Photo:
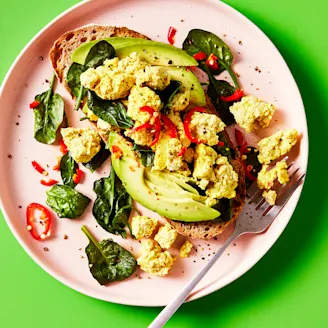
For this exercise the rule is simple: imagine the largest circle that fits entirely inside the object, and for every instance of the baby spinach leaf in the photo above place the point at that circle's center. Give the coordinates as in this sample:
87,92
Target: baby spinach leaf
68,168
203,41
216,89
146,154
167,95
252,160
108,261
96,57
224,206
112,112
48,115
113,204
73,78
99,53
66,201
98,159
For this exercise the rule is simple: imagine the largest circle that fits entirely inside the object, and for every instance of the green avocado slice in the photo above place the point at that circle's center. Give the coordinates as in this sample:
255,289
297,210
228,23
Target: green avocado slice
132,174
155,53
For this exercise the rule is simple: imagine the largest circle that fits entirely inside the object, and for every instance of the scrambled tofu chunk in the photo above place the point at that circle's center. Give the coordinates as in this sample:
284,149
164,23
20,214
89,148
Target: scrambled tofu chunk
83,144
205,158
115,78
155,77
186,249
270,196
104,128
143,137
251,112
276,145
206,127
225,181
176,119
153,260
166,236
142,226
184,170
266,179
139,97
180,101
166,154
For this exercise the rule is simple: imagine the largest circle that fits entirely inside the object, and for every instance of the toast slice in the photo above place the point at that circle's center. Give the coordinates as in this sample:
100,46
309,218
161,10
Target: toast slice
60,57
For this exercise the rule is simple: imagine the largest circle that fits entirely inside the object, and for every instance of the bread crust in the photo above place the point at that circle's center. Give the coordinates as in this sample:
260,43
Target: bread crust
60,57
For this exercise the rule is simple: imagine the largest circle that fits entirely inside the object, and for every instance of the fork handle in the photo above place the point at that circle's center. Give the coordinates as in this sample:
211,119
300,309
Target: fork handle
171,308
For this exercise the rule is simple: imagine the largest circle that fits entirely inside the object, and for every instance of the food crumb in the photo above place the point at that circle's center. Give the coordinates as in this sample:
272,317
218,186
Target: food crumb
131,16
257,89
138,276
239,53
148,277
194,261
20,206
240,42
257,69
224,35
80,249
228,254
65,236
18,116
81,256
46,80
157,35
26,85
203,258
10,156
234,244
46,249
41,57
215,238
237,74
182,20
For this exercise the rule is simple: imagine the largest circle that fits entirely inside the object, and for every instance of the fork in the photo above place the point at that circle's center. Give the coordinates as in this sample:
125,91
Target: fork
262,215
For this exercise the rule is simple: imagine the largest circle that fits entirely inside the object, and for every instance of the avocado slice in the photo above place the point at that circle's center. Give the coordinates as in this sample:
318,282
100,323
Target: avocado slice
190,82
132,174
155,53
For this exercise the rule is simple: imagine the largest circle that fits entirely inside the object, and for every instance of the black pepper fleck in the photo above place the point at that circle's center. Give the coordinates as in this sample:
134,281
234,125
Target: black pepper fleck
240,42
46,249
41,57
10,156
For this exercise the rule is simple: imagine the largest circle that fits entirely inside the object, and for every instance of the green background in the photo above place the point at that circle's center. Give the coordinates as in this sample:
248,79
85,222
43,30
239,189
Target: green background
287,288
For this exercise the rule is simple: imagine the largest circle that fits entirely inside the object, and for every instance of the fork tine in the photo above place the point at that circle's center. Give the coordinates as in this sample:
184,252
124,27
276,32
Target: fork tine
285,192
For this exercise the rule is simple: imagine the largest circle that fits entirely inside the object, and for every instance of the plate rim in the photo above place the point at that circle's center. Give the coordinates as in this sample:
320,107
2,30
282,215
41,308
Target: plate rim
218,284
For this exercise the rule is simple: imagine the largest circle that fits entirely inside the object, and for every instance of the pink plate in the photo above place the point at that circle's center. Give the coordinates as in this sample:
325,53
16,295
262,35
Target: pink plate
66,261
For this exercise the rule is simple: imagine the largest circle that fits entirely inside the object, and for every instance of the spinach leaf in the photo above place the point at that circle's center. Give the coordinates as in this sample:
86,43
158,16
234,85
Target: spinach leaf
203,41
96,57
67,202
224,206
252,159
113,204
167,95
112,112
108,261
68,168
98,159
146,154
73,78
99,53
48,115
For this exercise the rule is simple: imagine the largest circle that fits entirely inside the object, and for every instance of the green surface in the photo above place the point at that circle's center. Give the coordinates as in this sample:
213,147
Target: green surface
287,288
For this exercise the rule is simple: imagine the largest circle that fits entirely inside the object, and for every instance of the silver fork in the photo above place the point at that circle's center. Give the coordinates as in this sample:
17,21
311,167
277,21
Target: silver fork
262,215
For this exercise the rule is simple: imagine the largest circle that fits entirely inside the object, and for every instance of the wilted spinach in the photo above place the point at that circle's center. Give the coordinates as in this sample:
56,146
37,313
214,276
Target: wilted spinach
113,205
108,261
66,201
167,95
112,112
96,57
215,90
224,206
252,160
203,41
48,115
68,168
98,159
146,154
